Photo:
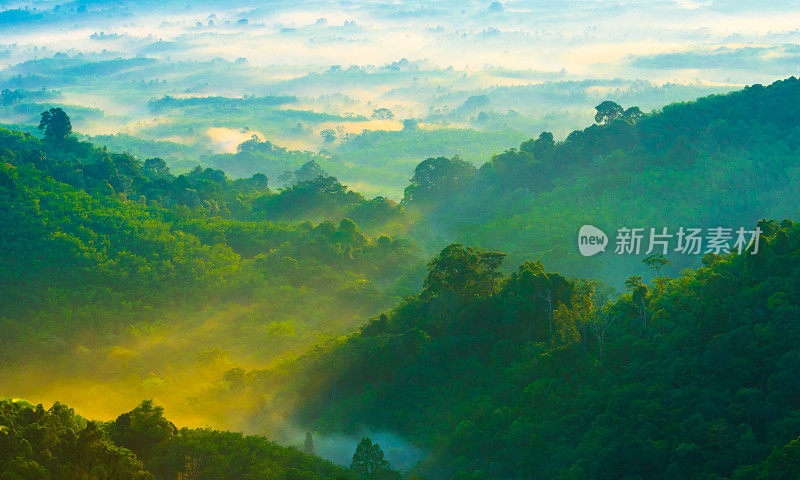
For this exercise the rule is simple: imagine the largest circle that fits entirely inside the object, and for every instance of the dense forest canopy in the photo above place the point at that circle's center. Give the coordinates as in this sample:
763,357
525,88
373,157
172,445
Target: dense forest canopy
533,375
287,302
140,445
659,169
121,261
387,240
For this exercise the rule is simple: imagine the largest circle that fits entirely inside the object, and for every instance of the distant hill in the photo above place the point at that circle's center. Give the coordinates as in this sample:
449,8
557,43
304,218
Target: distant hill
723,160
533,375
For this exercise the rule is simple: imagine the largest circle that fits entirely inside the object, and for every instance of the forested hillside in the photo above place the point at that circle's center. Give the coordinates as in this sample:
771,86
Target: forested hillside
396,239
145,284
723,160
239,307
142,444
533,375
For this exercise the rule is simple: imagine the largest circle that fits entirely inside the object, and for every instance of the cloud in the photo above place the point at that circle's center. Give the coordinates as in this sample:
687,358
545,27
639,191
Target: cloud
227,139
772,58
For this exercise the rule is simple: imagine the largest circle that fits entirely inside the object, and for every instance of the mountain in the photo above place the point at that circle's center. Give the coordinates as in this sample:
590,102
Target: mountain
239,307
720,161
119,275
533,375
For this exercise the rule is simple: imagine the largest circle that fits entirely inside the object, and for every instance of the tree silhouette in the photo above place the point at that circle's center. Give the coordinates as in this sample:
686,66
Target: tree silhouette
607,112
328,135
308,446
463,270
656,262
368,459
639,292
632,114
55,124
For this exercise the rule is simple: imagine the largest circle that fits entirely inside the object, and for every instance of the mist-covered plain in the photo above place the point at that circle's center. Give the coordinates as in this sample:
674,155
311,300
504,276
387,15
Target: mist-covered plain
495,72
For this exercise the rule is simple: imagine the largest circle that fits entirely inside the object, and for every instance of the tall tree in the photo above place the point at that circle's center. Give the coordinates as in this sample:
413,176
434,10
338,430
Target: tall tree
607,112
601,323
639,292
156,166
656,262
632,114
463,270
55,124
308,447
328,135
436,178
368,459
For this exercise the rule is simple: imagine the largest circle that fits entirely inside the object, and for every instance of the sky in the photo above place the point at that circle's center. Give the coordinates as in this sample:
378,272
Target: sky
662,41
541,65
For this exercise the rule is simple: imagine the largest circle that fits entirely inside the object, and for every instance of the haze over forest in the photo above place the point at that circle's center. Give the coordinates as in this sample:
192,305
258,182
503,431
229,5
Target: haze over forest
348,228
506,70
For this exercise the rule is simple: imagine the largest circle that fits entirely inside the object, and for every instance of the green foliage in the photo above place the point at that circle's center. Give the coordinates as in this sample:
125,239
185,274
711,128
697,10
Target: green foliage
468,317
309,171
783,463
311,194
57,444
368,462
694,377
256,156
9,97
382,161
328,135
437,178
740,149
382,114
55,124
319,197
607,112
463,271
143,429
657,262
169,103
706,388
87,268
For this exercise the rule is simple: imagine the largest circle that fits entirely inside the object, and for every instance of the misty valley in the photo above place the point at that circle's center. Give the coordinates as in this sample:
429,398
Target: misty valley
381,240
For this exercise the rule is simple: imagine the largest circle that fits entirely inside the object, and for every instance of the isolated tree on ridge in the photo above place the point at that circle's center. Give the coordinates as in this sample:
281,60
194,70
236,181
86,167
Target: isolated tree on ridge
55,124
607,112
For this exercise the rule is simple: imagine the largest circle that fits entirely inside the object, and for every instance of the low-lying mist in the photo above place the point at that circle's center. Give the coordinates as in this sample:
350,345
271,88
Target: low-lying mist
339,448
197,364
